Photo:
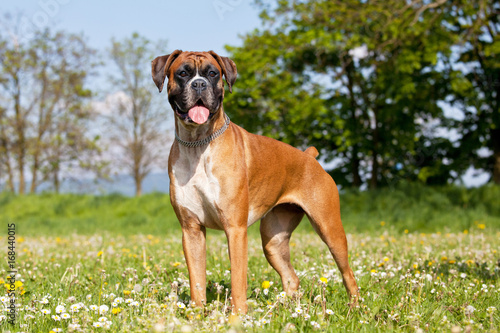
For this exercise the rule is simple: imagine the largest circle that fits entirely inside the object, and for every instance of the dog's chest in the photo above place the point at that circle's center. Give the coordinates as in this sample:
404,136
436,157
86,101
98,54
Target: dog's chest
196,187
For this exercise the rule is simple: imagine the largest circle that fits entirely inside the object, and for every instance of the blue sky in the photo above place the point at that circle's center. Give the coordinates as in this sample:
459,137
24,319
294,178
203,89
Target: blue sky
197,25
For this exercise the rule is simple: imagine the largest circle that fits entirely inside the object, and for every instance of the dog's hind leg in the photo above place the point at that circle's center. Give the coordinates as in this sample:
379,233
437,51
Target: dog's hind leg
275,230
324,216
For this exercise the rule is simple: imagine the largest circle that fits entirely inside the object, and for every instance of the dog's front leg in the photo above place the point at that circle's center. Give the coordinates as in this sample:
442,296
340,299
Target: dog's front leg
238,255
193,243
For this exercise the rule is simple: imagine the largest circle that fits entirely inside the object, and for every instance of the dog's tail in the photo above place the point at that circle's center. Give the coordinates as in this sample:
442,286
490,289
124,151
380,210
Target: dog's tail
312,151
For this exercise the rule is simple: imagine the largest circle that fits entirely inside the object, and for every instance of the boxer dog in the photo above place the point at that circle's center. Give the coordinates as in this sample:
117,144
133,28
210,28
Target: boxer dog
224,178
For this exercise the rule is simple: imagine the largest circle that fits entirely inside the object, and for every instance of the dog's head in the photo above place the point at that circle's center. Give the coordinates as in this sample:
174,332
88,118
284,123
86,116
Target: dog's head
195,87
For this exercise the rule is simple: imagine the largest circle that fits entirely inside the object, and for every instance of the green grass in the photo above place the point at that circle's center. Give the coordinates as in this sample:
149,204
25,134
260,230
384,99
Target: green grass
433,282
426,259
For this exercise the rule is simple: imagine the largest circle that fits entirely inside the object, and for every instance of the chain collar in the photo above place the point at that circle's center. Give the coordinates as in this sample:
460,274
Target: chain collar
208,139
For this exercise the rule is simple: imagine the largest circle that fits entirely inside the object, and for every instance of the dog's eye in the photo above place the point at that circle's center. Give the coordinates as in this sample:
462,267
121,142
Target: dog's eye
183,74
212,73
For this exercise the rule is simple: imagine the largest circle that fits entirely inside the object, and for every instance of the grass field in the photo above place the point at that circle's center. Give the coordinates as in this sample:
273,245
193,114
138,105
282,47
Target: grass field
426,260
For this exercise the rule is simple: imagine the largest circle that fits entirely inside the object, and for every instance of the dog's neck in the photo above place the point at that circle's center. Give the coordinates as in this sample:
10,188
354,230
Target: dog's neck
194,133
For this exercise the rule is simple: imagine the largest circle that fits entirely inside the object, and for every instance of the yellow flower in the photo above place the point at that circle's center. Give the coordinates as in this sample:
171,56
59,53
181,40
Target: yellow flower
323,279
451,261
175,264
382,223
406,231
99,253
481,226
266,285
126,292
444,258
373,271
386,259
116,311
415,266
466,231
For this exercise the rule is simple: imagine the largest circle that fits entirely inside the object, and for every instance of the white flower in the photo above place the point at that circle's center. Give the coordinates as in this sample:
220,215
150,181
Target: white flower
306,316
57,330
328,311
2,317
45,311
315,324
4,299
298,310
294,315
114,304
65,316
74,308
44,301
181,305
136,304
56,317
491,309
94,307
103,309
28,316
463,275
89,297
60,309
103,319
97,324
282,295
128,300
74,326
266,291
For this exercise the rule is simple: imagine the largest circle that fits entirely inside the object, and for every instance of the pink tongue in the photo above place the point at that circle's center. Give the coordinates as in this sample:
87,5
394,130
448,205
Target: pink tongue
199,114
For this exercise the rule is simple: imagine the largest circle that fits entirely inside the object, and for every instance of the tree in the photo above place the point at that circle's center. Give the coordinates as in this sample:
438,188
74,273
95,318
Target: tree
138,119
475,82
43,91
351,77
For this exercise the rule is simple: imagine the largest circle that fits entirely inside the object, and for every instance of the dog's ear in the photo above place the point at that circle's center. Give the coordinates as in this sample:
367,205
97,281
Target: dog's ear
160,67
228,69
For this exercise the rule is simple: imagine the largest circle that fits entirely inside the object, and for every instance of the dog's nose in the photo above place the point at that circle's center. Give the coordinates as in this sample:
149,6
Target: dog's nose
199,85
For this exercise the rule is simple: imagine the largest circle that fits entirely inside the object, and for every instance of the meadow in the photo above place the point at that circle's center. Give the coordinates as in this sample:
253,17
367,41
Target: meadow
426,259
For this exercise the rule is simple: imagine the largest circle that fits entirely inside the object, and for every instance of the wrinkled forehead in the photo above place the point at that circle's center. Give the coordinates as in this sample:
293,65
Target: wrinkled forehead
195,60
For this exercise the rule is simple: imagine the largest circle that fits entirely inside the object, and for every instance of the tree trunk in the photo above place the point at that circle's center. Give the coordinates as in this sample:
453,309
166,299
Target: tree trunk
21,144
375,166
138,186
495,138
356,179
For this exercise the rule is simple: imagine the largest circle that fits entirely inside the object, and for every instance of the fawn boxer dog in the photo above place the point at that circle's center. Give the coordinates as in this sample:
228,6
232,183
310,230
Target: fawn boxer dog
223,177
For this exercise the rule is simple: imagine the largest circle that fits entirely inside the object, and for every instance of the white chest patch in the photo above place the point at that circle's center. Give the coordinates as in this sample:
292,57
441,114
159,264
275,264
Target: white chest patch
196,188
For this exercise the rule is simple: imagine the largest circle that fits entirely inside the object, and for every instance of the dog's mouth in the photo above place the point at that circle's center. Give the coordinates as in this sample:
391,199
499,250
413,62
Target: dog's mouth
198,113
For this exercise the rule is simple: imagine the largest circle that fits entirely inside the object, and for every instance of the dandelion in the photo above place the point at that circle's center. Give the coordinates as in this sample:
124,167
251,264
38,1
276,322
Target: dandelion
323,280
469,310
116,311
481,226
329,312
99,253
266,285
